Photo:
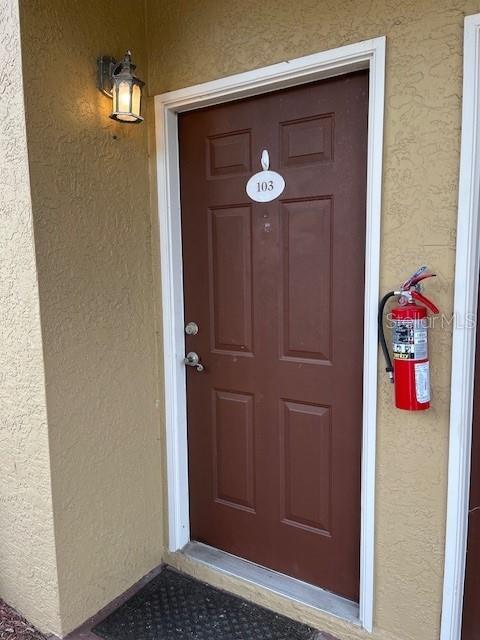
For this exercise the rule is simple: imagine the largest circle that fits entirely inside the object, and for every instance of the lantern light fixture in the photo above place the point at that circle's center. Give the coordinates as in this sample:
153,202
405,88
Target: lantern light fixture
118,81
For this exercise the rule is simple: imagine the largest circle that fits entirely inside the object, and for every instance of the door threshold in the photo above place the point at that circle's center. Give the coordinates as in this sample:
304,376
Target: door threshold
273,581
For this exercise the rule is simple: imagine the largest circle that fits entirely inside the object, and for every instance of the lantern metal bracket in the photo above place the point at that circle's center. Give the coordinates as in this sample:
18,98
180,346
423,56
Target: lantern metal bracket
105,67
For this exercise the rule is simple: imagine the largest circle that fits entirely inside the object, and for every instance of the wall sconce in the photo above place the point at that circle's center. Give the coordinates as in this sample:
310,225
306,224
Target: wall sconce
118,81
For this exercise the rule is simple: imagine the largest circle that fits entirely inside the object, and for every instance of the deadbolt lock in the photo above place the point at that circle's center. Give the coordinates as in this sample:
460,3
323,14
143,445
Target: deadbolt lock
191,329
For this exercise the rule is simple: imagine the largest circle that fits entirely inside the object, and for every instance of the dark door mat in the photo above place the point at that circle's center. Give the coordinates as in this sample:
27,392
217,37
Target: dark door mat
175,606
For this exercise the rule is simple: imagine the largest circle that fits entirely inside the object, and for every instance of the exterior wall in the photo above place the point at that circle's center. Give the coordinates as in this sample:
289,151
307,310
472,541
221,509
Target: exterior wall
90,194
28,574
93,236
191,42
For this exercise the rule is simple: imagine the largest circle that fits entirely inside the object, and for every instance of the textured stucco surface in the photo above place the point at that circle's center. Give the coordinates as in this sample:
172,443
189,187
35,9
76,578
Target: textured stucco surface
93,237
192,41
90,196
28,578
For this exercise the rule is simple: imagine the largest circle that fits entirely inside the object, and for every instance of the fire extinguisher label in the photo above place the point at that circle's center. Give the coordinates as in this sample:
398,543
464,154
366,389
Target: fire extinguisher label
409,339
422,382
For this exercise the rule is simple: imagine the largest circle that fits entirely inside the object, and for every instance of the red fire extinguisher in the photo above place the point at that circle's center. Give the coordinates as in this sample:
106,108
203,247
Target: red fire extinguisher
410,371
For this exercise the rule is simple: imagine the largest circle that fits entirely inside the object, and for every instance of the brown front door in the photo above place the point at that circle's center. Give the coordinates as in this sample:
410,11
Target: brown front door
471,608
277,290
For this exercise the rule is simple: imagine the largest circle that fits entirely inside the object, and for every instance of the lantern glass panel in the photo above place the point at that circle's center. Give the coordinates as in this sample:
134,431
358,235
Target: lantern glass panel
136,99
123,106
114,97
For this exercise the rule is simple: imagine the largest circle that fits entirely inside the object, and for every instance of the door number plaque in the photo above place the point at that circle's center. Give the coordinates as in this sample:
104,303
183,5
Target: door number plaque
265,185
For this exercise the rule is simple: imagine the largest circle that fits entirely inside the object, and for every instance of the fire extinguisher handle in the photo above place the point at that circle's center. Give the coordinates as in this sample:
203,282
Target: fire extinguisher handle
422,276
425,301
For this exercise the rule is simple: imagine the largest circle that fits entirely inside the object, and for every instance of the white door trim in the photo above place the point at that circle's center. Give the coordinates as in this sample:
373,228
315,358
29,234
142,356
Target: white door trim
463,353
367,54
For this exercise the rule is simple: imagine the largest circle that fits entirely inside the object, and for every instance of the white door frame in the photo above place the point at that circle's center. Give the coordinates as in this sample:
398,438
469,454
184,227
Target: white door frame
467,267
369,54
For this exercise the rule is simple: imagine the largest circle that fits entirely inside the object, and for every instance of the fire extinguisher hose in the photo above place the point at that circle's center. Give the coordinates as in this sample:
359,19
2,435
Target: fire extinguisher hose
381,333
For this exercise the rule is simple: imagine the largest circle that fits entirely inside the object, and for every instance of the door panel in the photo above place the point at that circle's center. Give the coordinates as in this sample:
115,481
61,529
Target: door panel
305,444
277,289
471,610
234,479
231,270
306,275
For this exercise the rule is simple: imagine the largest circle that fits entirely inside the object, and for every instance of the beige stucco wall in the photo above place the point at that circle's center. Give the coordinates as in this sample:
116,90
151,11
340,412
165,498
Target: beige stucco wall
90,195
99,302
28,577
192,41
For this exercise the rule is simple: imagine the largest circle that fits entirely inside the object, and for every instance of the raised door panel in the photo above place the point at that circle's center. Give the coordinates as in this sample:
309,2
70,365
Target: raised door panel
306,465
228,154
307,140
306,279
231,321
233,459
